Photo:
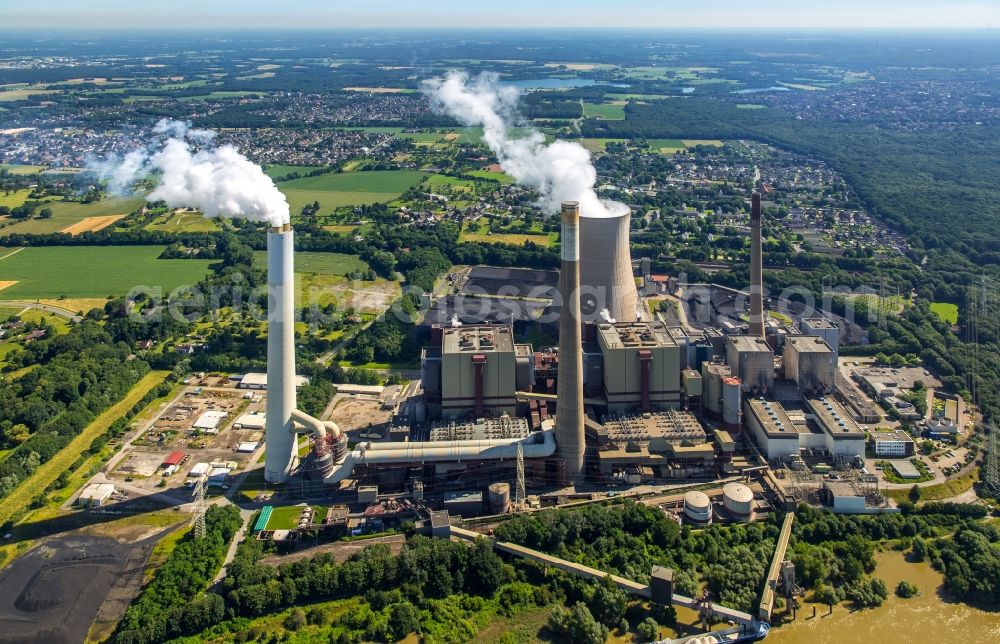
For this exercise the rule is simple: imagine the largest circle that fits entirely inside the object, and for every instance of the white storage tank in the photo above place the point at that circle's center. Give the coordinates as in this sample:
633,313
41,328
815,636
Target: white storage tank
499,497
697,508
738,501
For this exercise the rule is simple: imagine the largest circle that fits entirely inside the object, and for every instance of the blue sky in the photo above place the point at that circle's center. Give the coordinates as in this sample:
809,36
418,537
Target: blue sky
679,14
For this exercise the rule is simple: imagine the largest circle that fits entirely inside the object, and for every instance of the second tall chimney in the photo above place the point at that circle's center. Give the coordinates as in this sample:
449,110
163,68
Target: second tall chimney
569,402
756,270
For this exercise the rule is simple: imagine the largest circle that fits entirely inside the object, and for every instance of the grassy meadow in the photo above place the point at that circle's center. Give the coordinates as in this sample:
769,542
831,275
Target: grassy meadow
93,271
348,188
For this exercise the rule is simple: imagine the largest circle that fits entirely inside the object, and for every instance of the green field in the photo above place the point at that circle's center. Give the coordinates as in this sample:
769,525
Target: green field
496,176
22,94
945,311
598,145
606,111
67,213
22,169
348,188
669,146
183,222
93,271
274,171
15,198
321,263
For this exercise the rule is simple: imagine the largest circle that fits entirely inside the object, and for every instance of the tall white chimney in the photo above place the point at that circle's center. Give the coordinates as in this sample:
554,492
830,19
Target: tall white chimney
756,270
281,454
569,402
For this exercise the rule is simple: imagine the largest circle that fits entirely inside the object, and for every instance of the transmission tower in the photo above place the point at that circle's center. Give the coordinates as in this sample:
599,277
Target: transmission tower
883,307
199,508
991,468
519,492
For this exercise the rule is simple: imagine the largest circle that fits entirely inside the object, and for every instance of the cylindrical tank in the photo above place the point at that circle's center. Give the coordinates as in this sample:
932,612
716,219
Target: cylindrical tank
697,508
731,404
499,497
606,280
738,501
712,386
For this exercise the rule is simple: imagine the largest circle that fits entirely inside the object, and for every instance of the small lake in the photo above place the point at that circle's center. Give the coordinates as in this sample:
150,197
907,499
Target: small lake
757,90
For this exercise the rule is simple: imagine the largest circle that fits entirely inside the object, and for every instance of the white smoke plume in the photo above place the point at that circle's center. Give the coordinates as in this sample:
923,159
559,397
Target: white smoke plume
560,171
194,173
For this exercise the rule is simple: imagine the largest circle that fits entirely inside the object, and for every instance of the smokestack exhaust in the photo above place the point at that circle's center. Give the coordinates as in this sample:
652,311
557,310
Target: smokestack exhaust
279,435
756,270
569,402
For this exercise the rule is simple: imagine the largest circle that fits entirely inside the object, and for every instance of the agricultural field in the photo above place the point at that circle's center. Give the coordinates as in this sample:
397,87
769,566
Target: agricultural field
15,198
479,231
945,311
183,222
671,146
348,188
607,111
277,171
598,145
93,271
496,176
22,94
66,214
22,169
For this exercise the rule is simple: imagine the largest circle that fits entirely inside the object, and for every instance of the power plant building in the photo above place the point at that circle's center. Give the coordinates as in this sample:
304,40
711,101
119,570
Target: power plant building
478,371
773,430
824,328
641,364
824,426
810,363
843,436
751,359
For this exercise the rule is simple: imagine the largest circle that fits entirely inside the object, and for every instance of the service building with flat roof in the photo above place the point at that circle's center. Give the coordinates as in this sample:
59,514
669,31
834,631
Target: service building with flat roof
893,444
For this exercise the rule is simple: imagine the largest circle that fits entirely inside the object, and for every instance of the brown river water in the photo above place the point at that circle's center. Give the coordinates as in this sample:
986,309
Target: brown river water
927,617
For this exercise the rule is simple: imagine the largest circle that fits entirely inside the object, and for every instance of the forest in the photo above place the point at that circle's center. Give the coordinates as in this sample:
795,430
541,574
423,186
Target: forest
174,602
449,591
72,378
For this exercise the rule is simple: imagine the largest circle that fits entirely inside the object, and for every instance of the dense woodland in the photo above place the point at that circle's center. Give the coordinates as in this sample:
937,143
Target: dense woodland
175,601
73,378
448,591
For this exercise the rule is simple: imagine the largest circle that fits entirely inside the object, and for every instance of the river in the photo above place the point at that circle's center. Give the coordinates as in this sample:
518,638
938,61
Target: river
925,618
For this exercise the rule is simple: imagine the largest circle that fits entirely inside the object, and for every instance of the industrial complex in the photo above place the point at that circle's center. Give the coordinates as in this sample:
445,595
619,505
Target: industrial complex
623,398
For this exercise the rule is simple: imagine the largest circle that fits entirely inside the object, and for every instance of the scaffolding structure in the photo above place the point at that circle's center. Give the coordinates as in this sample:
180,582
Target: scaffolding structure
991,464
200,506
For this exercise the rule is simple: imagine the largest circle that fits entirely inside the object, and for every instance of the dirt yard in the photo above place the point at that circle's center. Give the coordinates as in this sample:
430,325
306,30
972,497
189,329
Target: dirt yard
91,224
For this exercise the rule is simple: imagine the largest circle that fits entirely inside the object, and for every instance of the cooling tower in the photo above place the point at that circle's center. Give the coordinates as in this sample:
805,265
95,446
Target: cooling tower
756,271
606,270
279,437
569,402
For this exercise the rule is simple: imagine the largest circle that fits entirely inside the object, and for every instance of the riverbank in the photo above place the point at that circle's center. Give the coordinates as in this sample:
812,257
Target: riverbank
928,617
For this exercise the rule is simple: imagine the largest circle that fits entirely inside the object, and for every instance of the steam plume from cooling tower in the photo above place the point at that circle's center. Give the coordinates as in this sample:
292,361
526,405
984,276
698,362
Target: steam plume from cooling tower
560,171
195,173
